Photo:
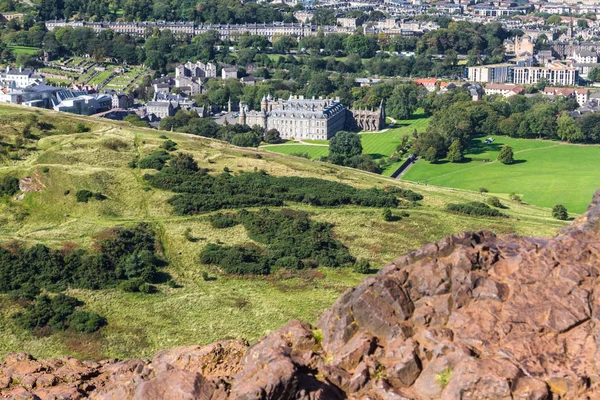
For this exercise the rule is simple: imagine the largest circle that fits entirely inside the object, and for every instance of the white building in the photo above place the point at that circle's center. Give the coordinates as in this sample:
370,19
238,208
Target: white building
503,90
20,78
297,118
555,73
493,73
85,104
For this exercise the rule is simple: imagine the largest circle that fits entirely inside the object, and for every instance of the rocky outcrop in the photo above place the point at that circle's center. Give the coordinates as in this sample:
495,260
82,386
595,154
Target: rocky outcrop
473,316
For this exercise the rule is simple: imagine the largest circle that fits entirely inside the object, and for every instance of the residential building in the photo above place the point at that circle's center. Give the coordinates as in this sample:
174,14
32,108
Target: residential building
429,83
229,73
196,70
492,73
581,56
162,109
297,118
580,94
347,22
20,78
503,89
554,73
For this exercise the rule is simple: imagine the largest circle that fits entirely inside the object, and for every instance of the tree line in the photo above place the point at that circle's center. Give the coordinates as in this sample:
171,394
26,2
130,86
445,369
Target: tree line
456,119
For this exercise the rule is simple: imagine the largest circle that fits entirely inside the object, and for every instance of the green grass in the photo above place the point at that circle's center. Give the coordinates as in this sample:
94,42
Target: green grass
200,311
314,152
98,79
23,50
546,173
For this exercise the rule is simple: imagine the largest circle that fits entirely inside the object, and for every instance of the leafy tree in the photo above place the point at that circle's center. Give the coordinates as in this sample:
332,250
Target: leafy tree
183,162
272,136
560,212
343,146
506,155
554,20
403,101
431,155
568,129
248,139
594,74
582,23
364,46
324,16
455,152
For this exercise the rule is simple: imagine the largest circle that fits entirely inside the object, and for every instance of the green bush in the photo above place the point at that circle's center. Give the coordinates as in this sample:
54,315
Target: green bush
289,263
405,193
387,215
86,322
362,266
120,253
9,186
169,145
83,196
221,221
474,208
131,285
560,212
155,160
197,191
59,313
288,236
494,202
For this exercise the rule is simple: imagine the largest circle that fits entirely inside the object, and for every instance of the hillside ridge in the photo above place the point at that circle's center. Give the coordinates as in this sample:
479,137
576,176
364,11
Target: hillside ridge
474,315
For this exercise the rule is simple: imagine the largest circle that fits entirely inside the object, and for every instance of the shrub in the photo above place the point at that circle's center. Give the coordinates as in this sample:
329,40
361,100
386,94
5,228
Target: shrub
387,215
405,193
169,145
114,144
147,288
293,263
514,197
81,128
221,221
287,235
155,160
474,208
67,192
99,196
9,186
187,234
83,196
86,322
482,190
131,285
494,202
200,192
45,170
560,212
303,155
172,284
58,313
362,266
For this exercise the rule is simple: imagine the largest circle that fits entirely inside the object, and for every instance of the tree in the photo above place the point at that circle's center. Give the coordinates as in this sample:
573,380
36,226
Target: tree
506,155
594,74
272,136
455,152
248,139
343,146
403,102
560,212
582,23
568,129
183,161
554,20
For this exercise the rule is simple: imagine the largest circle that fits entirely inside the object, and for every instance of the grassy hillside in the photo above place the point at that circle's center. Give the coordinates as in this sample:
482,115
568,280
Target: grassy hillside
61,161
545,172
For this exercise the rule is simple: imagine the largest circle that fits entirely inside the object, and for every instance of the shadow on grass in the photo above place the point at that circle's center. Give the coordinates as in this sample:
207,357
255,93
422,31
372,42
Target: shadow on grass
515,162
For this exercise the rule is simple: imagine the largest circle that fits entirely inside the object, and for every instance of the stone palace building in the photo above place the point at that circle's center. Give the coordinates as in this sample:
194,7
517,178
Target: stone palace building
318,119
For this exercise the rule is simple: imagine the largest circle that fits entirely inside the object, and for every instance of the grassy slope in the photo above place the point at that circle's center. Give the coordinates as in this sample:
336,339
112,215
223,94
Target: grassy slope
201,311
546,172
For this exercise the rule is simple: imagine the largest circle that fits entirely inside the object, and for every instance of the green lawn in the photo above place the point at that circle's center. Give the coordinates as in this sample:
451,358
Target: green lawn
545,173
24,50
98,79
